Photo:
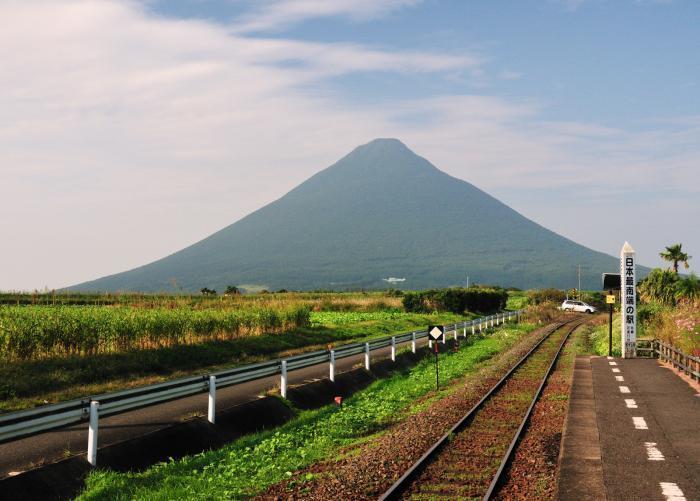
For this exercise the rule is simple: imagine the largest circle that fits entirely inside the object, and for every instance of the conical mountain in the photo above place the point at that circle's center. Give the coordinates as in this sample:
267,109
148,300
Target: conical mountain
381,211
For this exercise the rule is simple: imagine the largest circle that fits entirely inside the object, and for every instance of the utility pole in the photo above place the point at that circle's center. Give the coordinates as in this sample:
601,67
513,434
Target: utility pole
579,282
467,281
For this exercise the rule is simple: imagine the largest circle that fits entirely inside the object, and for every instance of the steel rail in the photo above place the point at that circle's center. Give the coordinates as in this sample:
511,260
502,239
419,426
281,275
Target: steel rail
400,486
497,479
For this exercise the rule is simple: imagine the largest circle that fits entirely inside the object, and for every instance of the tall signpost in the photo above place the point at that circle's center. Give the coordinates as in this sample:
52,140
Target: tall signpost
436,333
628,296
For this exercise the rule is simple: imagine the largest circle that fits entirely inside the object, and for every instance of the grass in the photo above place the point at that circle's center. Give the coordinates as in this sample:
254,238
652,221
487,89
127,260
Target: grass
517,300
252,463
29,383
598,336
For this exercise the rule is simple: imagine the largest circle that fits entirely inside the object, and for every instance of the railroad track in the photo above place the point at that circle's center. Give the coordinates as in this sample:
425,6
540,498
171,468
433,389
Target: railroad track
470,460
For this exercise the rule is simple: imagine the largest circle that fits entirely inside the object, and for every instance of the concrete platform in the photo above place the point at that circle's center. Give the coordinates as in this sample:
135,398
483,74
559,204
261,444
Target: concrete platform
632,432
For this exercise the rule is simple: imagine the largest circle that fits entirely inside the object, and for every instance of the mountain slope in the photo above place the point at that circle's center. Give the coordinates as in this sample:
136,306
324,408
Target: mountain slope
379,212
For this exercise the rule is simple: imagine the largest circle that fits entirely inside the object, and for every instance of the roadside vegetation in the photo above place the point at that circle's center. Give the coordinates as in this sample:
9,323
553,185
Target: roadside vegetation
27,383
250,464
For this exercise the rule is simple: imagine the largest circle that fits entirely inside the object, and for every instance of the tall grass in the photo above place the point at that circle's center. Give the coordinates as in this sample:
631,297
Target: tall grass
679,326
30,332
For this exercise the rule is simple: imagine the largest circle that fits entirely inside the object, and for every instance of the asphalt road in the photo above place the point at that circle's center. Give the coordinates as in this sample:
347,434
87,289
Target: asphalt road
648,421
48,447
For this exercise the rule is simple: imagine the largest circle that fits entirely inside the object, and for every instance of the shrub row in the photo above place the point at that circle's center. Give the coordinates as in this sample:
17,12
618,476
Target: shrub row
455,300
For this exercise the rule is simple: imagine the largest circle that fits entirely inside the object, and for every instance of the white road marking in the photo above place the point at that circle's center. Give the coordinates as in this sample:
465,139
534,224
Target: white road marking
615,369
624,389
630,403
653,453
640,423
619,378
609,358
612,363
671,491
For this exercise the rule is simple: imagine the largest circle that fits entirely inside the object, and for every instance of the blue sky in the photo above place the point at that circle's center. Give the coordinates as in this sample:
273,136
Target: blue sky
615,62
162,121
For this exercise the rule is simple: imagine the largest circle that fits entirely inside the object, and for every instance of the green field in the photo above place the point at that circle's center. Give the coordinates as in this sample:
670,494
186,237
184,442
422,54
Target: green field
62,346
26,383
32,332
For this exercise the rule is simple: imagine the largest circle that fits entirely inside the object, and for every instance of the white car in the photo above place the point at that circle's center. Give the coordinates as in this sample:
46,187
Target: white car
570,305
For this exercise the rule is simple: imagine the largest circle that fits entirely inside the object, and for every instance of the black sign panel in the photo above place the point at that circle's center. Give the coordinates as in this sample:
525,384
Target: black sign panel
611,281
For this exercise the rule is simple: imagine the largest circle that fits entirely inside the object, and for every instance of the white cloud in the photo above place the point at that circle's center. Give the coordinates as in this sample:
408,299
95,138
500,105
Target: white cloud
277,14
125,136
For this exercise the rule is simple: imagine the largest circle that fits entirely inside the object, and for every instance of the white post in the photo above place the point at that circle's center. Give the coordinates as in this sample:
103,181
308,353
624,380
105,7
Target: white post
367,356
393,349
331,375
430,343
413,342
481,329
455,333
212,399
444,337
628,295
473,329
492,321
283,380
92,433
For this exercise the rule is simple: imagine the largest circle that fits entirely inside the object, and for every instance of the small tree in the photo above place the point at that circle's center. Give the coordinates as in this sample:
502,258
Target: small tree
232,290
207,292
688,288
674,254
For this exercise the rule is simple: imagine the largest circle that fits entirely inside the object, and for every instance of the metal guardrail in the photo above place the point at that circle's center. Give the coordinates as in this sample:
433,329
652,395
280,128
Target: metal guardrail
20,424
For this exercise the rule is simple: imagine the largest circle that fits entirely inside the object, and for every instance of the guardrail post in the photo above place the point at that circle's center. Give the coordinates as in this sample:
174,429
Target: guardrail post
492,321
444,338
393,349
481,329
331,369
212,400
367,356
92,432
473,329
283,379
413,342
465,330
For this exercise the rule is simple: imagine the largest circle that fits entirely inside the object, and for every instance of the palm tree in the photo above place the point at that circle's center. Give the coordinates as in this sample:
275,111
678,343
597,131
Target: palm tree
675,255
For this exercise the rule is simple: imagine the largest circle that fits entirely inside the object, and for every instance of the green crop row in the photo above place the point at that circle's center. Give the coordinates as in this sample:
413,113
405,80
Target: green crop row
29,332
